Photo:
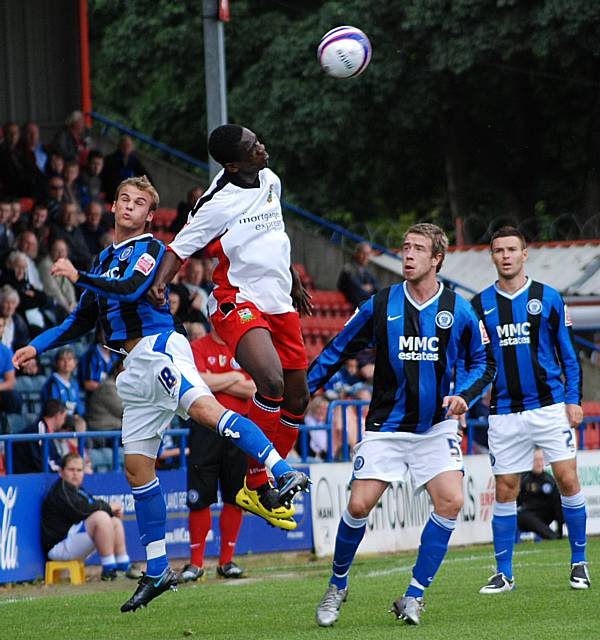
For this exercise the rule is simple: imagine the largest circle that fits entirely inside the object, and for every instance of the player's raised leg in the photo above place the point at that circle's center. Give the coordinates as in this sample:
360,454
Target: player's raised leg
573,507
446,494
363,497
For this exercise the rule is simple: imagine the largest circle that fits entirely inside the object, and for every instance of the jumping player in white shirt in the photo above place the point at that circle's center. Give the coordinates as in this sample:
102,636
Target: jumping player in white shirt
257,298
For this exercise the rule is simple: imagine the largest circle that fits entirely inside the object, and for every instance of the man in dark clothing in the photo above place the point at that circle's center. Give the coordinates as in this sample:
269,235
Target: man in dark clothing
75,524
120,165
356,282
539,501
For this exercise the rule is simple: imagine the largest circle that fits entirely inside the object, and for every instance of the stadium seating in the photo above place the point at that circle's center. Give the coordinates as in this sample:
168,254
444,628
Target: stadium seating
75,568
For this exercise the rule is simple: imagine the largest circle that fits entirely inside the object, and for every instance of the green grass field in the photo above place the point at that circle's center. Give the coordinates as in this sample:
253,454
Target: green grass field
278,599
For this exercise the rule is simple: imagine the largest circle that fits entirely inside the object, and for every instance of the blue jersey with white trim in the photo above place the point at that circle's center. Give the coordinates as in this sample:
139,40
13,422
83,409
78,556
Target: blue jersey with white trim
68,392
532,339
418,348
115,290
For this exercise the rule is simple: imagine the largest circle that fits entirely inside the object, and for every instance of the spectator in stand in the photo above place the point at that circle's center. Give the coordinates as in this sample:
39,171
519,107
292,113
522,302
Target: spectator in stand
65,446
538,504
27,243
105,407
316,413
93,228
107,238
73,191
123,163
6,233
90,177
16,332
183,209
56,197
10,401
366,365
37,223
61,289
34,305
67,229
197,309
97,363
63,386
55,164
71,141
343,381
18,220
214,462
356,282
195,330
75,524
27,456
11,163
34,159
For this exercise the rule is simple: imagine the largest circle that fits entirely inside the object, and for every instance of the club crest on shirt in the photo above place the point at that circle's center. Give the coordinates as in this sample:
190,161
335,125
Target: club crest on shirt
444,319
212,360
568,321
246,315
145,264
534,307
126,253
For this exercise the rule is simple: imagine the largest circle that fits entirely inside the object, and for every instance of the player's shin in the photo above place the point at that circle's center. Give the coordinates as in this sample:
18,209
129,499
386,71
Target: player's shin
349,535
504,528
575,516
265,412
432,550
151,514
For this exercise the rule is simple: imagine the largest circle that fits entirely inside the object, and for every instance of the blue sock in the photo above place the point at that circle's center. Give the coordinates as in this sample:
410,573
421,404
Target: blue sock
575,517
248,437
108,563
123,562
151,514
349,534
432,550
504,527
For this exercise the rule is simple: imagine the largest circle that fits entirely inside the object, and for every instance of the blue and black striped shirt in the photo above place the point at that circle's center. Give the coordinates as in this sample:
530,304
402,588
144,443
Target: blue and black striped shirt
532,340
418,347
114,294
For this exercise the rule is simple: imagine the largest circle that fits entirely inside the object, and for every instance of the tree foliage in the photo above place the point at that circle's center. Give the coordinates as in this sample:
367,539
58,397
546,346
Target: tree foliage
479,109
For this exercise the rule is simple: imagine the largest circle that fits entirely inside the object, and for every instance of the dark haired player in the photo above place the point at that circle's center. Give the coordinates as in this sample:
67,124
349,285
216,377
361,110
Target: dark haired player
257,296
536,400
421,330
159,377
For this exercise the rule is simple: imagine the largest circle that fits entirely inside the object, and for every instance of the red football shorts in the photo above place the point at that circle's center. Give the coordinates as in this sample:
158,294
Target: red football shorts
285,330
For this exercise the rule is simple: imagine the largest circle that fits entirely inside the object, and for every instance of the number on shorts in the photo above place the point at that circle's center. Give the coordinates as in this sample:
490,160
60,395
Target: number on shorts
569,439
455,451
167,378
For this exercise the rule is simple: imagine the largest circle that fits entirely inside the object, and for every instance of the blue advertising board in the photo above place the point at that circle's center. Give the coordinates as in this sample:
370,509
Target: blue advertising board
21,497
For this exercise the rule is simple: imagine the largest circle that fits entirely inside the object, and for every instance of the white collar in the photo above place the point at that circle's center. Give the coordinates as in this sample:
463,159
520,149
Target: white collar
143,235
420,307
518,292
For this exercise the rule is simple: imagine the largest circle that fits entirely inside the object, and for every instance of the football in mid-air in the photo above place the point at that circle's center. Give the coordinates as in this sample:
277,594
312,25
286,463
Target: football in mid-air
344,52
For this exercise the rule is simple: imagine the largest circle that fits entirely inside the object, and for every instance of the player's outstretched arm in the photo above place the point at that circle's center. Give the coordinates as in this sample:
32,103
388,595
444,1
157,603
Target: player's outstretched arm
168,267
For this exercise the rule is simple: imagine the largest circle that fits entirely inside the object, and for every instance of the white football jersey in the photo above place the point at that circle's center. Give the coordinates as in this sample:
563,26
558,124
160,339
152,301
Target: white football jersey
242,226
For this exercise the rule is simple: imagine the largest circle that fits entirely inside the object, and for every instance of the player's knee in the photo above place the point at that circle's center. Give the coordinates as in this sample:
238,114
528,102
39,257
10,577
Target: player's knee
359,508
100,519
270,384
449,506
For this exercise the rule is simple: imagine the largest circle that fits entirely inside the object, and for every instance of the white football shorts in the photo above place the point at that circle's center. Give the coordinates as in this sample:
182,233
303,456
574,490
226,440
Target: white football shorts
513,437
391,456
160,380
76,546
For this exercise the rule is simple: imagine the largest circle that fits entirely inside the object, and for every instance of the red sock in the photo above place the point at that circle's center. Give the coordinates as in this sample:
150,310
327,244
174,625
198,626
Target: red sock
265,413
288,432
231,521
200,524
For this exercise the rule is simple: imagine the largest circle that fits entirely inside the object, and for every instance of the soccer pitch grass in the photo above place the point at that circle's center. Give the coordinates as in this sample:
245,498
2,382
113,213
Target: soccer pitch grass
278,600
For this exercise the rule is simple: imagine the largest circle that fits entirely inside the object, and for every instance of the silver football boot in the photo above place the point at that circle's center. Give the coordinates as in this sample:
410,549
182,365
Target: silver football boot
408,608
328,610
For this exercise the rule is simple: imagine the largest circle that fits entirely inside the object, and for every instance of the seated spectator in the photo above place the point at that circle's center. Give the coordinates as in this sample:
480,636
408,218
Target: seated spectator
55,164
97,363
105,407
10,402
73,192
538,504
34,159
12,172
316,413
89,178
27,243
27,455
67,229
93,228
16,332
342,382
195,330
18,220
356,282
7,237
183,209
197,307
63,385
71,141
75,524
34,305
56,197
37,223
61,289
123,163
366,365
71,445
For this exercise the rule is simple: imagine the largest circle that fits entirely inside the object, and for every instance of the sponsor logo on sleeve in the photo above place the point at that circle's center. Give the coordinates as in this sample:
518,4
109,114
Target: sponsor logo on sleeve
568,321
485,339
145,264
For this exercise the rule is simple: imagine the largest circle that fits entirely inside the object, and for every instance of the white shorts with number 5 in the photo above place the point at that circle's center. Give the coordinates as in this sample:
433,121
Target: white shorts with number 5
160,380
392,456
513,437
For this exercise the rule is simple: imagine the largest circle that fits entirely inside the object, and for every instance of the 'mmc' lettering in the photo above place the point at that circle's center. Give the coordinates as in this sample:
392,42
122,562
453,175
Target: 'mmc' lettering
511,329
415,343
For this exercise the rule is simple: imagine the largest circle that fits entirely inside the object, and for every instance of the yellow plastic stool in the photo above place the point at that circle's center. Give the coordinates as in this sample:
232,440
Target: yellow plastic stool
74,567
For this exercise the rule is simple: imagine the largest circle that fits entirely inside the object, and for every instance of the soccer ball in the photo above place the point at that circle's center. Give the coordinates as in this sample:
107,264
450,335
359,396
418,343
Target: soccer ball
344,52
